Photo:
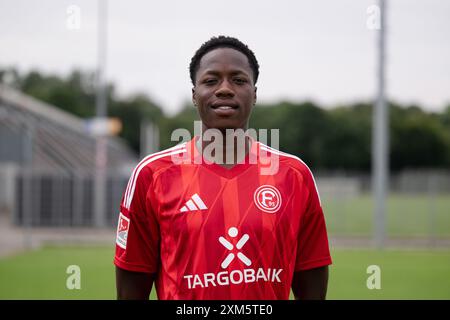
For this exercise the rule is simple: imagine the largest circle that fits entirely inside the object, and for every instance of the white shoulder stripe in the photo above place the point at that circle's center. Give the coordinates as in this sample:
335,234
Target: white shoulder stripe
132,182
133,174
133,186
267,148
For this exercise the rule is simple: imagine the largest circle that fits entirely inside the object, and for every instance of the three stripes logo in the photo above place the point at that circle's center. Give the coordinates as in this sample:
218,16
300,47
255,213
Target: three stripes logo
193,204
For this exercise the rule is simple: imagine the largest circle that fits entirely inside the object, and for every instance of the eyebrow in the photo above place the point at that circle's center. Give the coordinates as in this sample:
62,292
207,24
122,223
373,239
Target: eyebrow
233,72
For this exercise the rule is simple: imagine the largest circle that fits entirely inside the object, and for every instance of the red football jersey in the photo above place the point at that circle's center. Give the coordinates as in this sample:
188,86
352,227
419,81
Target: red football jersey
216,233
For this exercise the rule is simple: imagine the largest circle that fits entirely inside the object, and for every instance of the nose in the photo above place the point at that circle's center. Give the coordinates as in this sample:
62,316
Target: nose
224,90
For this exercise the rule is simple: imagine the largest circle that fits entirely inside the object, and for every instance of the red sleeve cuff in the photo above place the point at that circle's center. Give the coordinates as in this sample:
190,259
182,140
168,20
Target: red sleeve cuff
312,264
133,267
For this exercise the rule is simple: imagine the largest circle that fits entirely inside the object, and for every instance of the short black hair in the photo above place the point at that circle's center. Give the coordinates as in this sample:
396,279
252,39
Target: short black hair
223,42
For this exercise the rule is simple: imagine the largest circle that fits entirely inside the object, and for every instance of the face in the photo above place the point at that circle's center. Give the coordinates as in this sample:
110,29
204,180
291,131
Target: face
224,90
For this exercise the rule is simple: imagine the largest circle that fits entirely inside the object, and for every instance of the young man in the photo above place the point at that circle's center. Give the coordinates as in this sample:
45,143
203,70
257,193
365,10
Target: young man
205,229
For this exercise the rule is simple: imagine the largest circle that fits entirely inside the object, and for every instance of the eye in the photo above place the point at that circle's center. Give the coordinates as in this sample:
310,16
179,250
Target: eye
210,81
240,80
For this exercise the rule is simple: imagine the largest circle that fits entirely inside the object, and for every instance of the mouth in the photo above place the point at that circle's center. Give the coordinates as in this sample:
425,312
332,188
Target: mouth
224,106
224,109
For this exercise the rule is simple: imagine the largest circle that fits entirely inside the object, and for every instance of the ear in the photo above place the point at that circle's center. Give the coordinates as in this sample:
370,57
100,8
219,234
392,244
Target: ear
194,97
254,95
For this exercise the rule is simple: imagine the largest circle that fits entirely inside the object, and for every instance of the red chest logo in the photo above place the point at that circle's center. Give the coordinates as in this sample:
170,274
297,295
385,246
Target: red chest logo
267,198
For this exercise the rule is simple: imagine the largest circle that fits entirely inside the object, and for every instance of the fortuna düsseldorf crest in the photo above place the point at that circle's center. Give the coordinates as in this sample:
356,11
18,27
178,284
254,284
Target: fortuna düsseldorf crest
267,198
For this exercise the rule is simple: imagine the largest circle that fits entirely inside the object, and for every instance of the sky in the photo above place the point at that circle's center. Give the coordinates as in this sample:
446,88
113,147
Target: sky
317,50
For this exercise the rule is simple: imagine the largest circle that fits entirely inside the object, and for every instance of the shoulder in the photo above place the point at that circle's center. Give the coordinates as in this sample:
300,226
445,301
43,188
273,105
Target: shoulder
161,160
286,159
143,173
296,164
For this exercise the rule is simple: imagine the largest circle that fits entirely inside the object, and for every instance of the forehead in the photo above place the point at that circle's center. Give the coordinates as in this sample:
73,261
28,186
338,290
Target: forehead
224,59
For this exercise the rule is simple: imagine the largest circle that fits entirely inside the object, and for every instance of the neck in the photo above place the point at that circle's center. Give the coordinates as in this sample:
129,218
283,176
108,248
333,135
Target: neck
224,147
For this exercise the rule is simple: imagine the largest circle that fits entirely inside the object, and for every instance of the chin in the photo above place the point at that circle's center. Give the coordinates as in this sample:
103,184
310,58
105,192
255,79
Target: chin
225,124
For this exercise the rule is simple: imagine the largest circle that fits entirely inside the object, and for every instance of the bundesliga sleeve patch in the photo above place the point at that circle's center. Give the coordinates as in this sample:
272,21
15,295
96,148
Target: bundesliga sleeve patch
122,231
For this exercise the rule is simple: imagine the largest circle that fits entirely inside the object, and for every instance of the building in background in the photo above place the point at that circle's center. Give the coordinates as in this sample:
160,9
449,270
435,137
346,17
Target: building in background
47,165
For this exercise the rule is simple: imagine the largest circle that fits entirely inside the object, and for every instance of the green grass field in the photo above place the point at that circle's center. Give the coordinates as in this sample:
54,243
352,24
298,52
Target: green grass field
405,274
407,216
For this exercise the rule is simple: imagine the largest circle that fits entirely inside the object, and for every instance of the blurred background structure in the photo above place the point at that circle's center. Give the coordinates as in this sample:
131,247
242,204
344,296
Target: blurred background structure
48,160
318,85
47,169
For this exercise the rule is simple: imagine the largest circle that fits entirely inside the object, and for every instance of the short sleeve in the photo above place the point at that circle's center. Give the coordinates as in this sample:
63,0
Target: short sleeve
138,237
312,247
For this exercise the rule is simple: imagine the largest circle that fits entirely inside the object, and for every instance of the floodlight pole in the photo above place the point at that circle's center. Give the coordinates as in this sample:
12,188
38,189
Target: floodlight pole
101,112
380,144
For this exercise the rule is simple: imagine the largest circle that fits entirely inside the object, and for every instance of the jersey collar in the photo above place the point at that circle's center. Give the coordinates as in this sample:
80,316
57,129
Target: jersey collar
250,159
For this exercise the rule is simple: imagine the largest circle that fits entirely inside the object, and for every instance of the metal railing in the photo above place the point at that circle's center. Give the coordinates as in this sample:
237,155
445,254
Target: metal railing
55,199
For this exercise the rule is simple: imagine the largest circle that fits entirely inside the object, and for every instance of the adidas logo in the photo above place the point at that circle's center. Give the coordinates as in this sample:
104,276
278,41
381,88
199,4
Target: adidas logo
194,203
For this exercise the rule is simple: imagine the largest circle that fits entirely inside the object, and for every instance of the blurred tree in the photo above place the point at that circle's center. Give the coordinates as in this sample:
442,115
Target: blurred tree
183,119
348,138
76,94
417,140
131,111
302,128
335,139
444,118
